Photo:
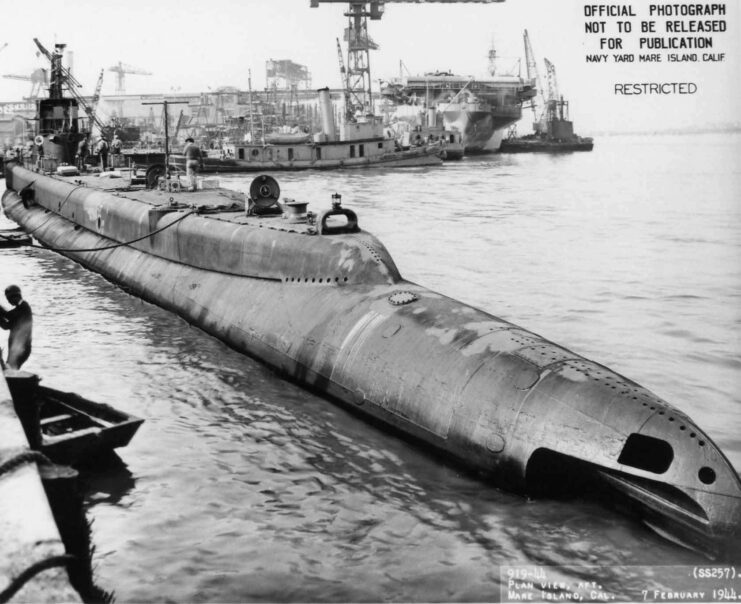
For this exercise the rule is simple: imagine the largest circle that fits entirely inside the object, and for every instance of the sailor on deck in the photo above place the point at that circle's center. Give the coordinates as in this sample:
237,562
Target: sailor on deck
102,150
116,145
193,160
19,321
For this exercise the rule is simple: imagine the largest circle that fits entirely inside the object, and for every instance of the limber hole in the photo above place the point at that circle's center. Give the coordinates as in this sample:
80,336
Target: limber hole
706,475
647,453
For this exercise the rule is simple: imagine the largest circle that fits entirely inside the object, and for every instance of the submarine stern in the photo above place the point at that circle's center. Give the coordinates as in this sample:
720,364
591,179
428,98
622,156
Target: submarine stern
591,428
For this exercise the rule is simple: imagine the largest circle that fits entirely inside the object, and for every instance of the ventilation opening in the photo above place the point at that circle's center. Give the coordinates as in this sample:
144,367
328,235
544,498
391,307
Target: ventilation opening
647,453
552,474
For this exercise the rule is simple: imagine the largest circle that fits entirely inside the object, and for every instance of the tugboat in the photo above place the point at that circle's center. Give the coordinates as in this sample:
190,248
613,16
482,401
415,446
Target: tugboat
554,135
553,132
322,301
360,144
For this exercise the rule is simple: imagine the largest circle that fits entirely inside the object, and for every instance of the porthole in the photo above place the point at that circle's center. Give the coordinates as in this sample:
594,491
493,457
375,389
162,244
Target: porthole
706,475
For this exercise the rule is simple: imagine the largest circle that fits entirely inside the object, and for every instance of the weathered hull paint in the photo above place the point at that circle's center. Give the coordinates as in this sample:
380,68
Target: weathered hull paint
333,313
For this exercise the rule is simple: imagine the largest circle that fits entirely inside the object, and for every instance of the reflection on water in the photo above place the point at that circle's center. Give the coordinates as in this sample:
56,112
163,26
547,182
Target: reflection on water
241,486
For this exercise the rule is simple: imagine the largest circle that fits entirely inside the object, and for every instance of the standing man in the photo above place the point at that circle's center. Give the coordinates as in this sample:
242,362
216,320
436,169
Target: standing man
19,321
102,150
192,162
82,153
116,145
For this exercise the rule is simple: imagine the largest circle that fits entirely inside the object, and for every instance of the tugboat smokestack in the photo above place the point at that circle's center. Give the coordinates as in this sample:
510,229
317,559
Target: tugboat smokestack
325,107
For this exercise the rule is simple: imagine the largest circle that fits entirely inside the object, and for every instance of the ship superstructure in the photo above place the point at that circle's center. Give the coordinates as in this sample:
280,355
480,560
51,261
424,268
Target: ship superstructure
479,108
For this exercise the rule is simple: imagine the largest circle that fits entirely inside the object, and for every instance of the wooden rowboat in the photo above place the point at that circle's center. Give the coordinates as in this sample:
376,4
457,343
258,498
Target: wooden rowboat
75,430
66,427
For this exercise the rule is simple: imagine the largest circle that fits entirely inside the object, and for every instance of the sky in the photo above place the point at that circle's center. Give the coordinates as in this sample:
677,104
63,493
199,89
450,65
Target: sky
191,46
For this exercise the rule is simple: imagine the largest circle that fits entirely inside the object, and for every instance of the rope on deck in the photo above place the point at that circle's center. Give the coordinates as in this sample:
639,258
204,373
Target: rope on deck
62,560
23,458
115,245
18,582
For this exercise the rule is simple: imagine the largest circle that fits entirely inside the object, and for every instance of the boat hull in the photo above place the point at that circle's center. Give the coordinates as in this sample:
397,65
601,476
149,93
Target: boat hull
357,154
492,395
545,146
215,165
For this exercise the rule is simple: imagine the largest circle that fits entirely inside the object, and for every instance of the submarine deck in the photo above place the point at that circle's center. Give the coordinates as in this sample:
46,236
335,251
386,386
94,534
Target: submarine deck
217,203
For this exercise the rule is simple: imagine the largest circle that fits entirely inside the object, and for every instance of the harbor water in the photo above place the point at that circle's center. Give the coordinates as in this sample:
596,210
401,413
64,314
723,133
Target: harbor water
241,486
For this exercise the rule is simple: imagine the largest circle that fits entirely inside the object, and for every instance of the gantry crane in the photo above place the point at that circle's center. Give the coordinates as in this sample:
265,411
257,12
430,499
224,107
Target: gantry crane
120,70
359,44
39,81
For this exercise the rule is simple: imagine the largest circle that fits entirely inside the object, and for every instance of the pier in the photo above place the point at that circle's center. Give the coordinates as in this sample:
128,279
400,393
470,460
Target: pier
33,559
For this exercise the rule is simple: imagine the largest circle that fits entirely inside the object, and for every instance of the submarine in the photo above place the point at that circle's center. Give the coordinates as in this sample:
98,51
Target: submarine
321,300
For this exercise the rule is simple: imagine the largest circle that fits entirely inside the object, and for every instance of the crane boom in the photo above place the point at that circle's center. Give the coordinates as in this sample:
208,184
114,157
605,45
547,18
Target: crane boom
552,82
345,88
532,72
92,110
66,77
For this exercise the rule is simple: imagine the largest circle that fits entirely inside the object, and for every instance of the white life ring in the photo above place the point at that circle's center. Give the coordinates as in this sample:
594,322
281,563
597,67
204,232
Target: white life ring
39,140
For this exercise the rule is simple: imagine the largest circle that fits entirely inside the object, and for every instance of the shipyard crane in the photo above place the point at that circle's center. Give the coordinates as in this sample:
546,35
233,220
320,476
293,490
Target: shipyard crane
39,80
534,75
62,75
555,104
349,113
178,125
120,70
359,45
93,108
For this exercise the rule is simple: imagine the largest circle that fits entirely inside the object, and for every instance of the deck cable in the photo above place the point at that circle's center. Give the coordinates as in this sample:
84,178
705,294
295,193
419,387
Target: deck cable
115,245
18,582
22,458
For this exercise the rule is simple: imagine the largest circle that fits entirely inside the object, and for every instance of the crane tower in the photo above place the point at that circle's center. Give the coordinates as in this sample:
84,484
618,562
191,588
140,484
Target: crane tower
357,82
121,70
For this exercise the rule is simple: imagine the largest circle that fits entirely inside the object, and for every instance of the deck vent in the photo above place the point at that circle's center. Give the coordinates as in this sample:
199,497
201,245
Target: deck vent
401,297
647,453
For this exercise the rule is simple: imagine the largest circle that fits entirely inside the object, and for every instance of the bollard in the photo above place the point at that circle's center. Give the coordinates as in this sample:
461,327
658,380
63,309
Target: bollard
24,388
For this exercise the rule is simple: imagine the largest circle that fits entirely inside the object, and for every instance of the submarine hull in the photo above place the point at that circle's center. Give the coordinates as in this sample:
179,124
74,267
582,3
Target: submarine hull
333,313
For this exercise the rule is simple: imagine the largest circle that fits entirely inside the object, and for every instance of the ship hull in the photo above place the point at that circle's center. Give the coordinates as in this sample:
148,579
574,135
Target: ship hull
535,145
357,154
481,130
332,313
